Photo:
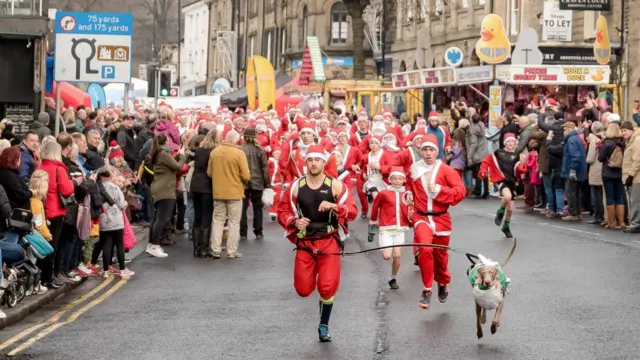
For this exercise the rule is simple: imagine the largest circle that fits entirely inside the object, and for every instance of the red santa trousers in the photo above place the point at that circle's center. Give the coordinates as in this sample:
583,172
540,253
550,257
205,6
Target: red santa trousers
321,270
433,263
364,204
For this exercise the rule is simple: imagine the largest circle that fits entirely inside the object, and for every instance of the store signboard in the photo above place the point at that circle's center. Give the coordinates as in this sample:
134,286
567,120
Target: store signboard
554,75
556,23
406,80
474,75
438,77
588,5
495,106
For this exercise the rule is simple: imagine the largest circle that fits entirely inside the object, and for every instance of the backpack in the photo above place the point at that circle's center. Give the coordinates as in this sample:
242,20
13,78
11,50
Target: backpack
615,158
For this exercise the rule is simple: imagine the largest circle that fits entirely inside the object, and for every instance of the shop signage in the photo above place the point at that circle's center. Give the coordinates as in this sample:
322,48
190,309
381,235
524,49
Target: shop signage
593,5
406,80
453,56
495,105
556,23
555,75
438,77
474,75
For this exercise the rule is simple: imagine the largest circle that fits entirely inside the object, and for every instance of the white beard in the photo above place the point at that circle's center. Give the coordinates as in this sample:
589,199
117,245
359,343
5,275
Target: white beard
276,124
390,145
261,128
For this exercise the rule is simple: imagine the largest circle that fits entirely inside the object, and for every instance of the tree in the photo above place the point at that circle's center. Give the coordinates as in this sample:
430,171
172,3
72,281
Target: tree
80,5
355,9
161,23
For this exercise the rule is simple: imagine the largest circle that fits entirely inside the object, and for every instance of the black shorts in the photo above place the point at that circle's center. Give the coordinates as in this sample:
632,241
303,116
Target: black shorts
507,185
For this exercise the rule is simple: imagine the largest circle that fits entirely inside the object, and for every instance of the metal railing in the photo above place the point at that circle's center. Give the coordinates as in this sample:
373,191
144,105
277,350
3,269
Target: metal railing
21,7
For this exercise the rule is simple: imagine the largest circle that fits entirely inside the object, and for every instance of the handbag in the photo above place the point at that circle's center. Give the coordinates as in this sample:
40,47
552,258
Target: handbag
70,205
64,200
39,245
83,223
20,221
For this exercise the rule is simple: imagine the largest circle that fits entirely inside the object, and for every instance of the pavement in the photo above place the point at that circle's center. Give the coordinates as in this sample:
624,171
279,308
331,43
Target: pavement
574,295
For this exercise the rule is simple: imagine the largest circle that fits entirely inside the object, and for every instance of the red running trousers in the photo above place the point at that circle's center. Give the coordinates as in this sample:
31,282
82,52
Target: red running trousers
322,270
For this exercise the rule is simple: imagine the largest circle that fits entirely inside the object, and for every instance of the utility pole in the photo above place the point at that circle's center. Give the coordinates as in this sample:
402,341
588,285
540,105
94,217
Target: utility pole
180,40
155,21
383,31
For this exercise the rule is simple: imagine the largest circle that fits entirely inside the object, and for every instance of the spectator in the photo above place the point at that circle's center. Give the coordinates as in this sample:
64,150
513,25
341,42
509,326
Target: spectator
163,191
477,150
60,187
630,169
126,141
228,166
29,148
18,192
92,159
574,169
610,154
555,147
81,118
202,194
595,172
40,126
69,118
259,180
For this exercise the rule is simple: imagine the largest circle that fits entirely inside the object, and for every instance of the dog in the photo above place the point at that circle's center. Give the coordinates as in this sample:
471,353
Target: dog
489,285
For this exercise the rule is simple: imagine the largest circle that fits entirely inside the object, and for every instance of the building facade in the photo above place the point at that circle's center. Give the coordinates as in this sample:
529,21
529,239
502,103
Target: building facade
194,49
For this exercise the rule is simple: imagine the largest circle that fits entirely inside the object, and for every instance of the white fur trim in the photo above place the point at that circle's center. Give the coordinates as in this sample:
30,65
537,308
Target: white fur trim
322,156
371,222
313,131
397,173
393,227
429,144
418,169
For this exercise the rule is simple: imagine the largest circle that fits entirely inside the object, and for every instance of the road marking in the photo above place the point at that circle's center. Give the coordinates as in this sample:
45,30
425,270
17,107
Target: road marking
570,229
72,318
57,315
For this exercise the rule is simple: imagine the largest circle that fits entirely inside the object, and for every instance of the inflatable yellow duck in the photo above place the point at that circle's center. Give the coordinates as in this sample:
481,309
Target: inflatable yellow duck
602,45
493,46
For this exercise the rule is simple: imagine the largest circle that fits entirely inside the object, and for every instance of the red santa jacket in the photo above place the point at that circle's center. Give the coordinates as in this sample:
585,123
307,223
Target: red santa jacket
390,210
350,157
288,210
355,139
274,172
266,140
449,191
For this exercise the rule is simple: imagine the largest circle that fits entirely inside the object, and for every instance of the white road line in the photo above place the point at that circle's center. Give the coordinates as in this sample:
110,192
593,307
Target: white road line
570,229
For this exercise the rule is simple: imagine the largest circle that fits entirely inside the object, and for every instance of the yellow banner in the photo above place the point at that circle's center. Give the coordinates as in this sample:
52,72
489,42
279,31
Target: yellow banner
251,84
266,79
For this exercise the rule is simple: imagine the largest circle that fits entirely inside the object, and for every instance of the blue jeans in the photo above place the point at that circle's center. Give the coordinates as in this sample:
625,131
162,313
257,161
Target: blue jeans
11,253
548,190
559,192
468,179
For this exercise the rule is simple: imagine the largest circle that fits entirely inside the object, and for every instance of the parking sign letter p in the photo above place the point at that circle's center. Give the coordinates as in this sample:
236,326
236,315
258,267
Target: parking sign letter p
108,72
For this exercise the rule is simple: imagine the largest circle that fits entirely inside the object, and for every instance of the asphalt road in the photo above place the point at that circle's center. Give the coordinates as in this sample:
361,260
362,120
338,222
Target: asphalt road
574,295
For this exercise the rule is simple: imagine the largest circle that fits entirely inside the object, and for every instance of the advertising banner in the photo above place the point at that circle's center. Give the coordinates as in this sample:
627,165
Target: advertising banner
556,23
554,75
266,81
250,84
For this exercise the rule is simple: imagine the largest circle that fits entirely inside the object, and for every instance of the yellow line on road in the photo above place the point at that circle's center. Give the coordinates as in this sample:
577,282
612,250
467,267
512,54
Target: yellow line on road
72,318
57,315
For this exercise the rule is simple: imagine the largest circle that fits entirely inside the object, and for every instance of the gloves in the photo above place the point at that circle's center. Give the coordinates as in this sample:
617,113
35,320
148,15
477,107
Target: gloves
572,175
629,181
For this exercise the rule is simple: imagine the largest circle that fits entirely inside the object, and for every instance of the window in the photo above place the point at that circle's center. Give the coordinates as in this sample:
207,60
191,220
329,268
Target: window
305,24
409,6
271,4
423,11
514,17
251,45
339,25
253,10
464,4
283,36
481,2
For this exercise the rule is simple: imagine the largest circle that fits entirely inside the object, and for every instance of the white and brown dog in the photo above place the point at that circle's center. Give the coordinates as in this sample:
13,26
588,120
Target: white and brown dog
489,289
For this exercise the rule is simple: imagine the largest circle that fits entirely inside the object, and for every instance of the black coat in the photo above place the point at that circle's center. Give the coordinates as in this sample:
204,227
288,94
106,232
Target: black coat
201,182
19,194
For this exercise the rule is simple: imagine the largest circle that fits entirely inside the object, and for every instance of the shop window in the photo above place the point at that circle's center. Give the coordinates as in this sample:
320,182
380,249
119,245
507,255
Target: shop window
339,25
464,4
439,7
514,17
590,18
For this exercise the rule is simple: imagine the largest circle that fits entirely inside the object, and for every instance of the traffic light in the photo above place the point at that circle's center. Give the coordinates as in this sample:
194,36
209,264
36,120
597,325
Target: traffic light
165,82
151,81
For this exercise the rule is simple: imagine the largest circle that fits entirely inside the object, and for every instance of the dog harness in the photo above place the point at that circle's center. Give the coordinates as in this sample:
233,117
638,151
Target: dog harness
473,276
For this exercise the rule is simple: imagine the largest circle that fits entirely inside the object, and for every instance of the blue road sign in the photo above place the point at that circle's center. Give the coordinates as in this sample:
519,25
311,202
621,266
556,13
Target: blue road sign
93,47
97,95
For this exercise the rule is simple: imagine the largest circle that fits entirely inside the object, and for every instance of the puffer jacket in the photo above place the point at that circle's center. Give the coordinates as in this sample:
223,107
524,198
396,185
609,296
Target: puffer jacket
631,161
59,184
477,147
595,165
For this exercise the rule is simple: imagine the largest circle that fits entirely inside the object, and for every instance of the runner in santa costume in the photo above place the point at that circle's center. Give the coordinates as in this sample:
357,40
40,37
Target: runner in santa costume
413,153
292,163
500,166
314,212
390,214
351,159
442,135
276,180
378,128
264,136
434,187
371,176
360,132
390,154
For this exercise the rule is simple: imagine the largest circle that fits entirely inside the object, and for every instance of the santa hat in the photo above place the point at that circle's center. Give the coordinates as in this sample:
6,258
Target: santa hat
433,115
276,149
551,102
430,141
508,136
342,121
114,150
343,133
308,126
397,170
316,152
376,138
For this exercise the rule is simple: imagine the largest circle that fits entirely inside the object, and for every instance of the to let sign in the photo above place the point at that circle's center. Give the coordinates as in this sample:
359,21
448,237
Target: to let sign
556,23
592,5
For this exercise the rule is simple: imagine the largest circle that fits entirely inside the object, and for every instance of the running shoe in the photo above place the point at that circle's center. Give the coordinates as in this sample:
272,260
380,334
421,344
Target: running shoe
323,333
393,284
425,300
507,232
499,217
443,293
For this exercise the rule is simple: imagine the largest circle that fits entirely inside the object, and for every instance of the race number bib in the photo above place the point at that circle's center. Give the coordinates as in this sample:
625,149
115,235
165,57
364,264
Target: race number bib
373,172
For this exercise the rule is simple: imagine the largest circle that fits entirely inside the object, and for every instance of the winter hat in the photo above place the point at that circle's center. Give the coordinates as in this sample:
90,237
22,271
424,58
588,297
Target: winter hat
627,125
343,133
433,115
316,152
114,150
397,170
551,102
308,126
376,138
430,141
276,149
508,136
43,118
